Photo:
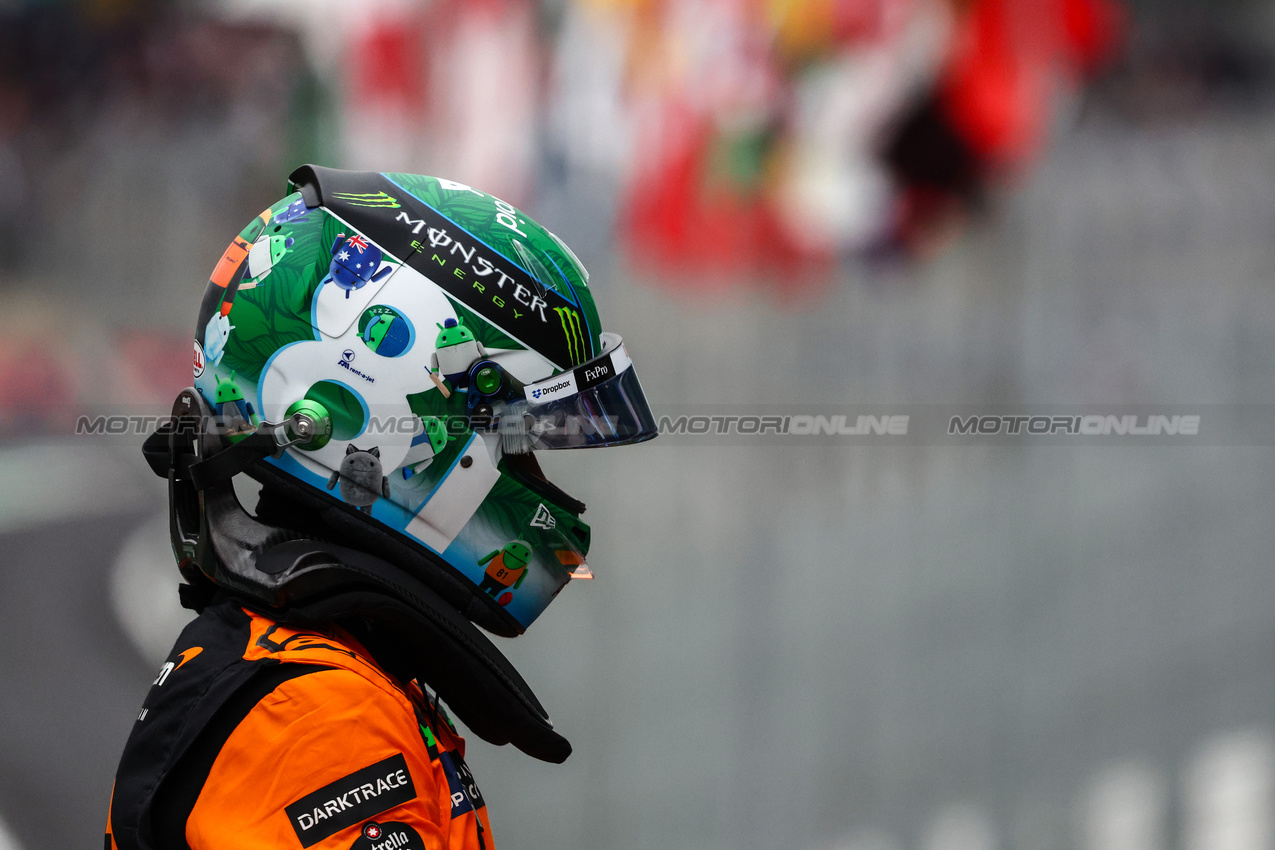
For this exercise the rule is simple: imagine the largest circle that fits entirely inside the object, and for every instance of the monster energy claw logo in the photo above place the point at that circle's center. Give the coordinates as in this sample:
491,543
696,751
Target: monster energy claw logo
575,337
368,199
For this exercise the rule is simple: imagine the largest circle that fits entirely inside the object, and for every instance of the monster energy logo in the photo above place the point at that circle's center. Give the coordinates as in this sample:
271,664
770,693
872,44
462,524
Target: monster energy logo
368,199
571,328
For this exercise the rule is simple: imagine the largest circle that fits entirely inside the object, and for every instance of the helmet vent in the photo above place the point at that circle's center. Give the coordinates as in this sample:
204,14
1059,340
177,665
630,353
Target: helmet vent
535,267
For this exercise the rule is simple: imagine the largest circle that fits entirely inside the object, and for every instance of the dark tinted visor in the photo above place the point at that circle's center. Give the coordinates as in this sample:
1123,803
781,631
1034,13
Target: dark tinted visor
599,403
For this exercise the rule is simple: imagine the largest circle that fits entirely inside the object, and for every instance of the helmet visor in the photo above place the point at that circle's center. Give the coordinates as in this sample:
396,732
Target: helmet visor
599,403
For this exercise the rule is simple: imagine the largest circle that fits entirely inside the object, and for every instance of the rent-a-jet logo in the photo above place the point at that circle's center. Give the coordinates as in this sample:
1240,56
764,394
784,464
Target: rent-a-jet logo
351,799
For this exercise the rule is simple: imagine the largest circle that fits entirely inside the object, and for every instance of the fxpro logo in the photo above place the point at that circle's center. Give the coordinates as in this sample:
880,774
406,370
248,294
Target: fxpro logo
596,372
552,388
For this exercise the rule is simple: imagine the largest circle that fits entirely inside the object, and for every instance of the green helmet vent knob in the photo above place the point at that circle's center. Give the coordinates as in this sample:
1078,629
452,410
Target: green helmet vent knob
309,424
488,380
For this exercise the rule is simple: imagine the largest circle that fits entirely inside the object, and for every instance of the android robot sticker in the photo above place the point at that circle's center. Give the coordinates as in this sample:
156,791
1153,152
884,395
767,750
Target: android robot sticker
233,410
386,332
360,477
262,257
354,263
455,350
216,335
425,445
248,259
294,212
507,567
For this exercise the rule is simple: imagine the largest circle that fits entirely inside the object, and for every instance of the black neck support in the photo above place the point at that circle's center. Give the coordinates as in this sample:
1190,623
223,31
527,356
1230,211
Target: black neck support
298,577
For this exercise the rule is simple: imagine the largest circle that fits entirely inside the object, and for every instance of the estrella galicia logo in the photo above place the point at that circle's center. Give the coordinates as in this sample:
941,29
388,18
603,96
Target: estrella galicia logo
348,355
351,799
392,835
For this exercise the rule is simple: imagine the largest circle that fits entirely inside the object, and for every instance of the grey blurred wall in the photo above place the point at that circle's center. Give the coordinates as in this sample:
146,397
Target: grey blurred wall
856,647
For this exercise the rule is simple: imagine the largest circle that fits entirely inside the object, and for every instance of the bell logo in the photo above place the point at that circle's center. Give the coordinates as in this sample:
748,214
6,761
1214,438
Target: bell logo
543,519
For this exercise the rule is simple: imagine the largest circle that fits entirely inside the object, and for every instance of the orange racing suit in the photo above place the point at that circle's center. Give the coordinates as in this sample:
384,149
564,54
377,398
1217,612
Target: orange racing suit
259,736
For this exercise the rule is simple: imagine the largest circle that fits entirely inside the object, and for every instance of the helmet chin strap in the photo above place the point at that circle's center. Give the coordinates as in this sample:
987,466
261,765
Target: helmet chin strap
299,579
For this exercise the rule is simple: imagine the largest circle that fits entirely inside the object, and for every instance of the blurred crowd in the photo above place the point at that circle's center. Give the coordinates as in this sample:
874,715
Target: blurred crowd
721,133
913,202
718,135
705,143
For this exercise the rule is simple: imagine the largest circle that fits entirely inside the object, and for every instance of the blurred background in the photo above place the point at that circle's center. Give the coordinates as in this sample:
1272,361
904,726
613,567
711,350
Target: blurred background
782,202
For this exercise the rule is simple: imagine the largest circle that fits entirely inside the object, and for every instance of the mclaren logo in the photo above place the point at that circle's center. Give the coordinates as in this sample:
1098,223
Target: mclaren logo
169,666
543,519
368,199
571,328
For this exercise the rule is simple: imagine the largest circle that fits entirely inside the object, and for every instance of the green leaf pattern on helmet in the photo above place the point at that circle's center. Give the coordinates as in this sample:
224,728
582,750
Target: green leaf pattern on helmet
360,338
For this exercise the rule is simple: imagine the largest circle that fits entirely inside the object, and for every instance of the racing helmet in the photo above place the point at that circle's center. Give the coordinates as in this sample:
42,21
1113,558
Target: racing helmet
389,350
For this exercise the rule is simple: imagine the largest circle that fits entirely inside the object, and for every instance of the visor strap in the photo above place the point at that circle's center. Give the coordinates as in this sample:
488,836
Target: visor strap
233,460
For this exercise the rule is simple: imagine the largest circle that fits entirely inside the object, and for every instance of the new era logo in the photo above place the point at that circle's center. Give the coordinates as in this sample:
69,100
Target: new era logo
543,519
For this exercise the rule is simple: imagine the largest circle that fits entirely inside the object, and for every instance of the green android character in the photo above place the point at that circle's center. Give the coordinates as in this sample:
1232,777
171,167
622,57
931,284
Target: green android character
262,257
235,412
508,567
386,332
455,351
376,330
425,446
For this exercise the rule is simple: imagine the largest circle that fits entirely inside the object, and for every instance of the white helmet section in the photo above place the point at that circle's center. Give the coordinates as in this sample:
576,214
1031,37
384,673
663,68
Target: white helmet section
381,384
